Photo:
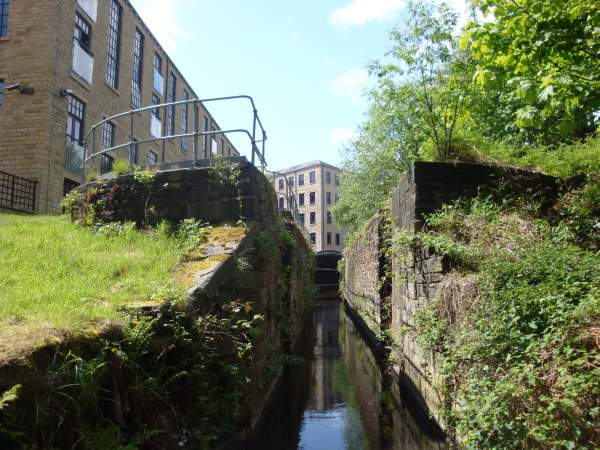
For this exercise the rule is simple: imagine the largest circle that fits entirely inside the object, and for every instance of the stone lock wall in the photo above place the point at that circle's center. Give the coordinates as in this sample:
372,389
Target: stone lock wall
364,271
417,272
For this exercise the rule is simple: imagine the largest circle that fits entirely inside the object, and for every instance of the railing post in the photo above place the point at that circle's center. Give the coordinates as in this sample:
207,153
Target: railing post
12,192
254,137
131,150
195,140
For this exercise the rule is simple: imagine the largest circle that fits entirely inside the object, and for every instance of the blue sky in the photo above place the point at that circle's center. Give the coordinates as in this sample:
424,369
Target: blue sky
302,61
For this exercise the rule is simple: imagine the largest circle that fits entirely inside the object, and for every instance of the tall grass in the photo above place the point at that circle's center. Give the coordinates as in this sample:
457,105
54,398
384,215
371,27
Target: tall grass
60,275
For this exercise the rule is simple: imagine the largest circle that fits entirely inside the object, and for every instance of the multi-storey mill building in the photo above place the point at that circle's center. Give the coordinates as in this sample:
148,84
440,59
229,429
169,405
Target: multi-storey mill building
315,185
65,65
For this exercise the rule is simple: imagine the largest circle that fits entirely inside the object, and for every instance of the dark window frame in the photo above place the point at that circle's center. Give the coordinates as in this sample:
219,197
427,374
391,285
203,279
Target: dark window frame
280,184
108,134
171,96
302,218
313,238
281,204
4,7
113,53
328,197
329,238
312,177
301,199
138,68
312,198
329,218
76,119
185,115
83,33
313,218
155,158
328,177
106,163
155,101
337,239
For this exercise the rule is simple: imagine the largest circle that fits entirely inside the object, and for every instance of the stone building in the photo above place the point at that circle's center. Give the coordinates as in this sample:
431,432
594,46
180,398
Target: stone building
65,65
314,188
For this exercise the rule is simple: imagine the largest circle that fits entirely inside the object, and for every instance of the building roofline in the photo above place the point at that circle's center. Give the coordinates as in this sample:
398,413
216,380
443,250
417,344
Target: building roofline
306,165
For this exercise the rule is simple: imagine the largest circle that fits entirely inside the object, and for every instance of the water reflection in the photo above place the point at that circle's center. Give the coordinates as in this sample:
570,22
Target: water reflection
339,399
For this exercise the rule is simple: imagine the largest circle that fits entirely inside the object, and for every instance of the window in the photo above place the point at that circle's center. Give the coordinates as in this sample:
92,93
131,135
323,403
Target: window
281,181
328,197
312,176
156,101
313,218
302,219
171,93
337,238
280,203
136,77
152,158
301,179
329,217
337,179
328,177
291,181
75,117
83,33
3,17
157,83
114,44
1,94
185,112
328,238
313,238
108,135
337,197
312,198
301,200
106,163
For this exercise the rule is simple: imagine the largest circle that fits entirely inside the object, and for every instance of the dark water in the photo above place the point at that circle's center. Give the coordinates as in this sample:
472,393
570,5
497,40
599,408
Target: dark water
339,398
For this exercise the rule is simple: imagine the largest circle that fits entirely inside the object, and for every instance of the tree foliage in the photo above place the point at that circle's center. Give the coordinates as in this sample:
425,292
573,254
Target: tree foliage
414,110
536,69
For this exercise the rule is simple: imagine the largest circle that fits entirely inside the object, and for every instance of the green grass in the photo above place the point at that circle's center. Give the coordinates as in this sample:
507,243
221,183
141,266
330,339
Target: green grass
57,275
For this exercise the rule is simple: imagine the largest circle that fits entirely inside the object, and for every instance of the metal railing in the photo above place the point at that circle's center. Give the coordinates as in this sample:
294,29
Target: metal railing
90,152
290,200
17,193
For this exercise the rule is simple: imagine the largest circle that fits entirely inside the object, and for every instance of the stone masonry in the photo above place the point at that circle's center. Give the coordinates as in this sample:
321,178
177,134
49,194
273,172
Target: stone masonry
416,271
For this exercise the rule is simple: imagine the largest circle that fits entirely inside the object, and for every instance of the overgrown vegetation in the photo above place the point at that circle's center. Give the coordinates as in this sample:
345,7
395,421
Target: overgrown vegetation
520,89
171,381
515,325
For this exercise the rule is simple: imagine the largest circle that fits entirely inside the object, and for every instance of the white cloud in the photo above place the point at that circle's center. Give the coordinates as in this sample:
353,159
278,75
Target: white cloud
341,136
350,84
163,17
360,12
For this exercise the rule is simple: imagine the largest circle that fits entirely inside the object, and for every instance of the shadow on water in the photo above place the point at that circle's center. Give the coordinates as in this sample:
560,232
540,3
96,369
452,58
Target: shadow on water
339,398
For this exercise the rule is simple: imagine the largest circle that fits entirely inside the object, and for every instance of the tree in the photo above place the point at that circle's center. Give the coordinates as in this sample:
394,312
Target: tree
537,69
414,111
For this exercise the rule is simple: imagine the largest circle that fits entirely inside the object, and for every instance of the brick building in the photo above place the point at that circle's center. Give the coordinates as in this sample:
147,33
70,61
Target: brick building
65,65
315,185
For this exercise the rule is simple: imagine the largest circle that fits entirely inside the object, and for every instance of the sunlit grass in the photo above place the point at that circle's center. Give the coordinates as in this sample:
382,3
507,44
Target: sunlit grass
54,274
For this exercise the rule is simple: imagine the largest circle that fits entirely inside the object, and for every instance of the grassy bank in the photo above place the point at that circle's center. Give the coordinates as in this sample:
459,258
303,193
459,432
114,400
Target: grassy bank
57,277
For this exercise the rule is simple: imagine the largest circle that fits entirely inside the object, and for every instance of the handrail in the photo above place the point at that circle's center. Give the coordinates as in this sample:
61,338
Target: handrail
256,152
290,196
